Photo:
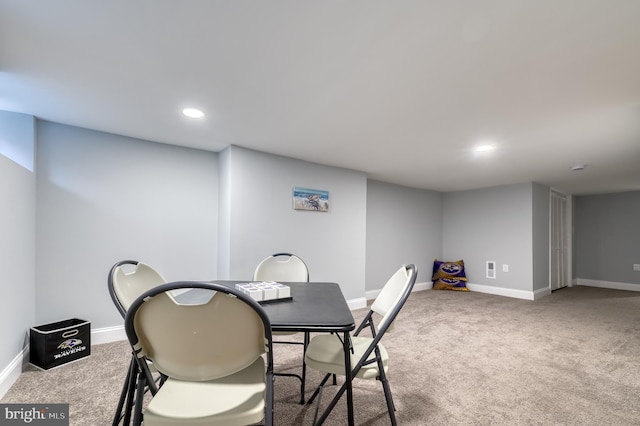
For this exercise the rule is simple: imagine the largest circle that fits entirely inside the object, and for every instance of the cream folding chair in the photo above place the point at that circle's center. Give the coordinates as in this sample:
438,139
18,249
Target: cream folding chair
369,359
286,267
127,280
217,356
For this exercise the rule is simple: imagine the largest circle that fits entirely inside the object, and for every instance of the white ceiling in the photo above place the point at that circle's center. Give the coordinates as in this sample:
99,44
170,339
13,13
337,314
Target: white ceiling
401,90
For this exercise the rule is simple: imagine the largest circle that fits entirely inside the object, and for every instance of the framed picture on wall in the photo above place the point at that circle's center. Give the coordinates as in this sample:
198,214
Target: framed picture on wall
310,199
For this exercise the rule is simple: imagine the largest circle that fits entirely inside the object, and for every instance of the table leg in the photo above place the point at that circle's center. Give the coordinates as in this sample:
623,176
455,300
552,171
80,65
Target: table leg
348,376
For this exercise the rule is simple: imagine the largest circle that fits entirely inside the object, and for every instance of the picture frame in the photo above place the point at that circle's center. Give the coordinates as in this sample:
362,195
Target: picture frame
310,199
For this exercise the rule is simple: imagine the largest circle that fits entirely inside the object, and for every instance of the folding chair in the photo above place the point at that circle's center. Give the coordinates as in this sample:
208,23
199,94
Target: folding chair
286,267
369,357
217,356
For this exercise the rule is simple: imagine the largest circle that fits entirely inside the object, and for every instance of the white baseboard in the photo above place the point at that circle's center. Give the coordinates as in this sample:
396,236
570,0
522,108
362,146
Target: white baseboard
501,291
358,303
108,335
12,371
498,291
372,294
539,294
607,284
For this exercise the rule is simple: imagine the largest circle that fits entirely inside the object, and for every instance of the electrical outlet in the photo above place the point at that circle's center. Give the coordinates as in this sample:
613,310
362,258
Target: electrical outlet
636,266
505,268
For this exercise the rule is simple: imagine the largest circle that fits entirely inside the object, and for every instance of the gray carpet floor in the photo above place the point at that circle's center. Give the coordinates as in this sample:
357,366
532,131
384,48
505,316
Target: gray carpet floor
572,358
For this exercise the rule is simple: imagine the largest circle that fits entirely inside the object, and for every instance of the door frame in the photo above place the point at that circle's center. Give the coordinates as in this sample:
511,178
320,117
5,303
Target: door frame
567,235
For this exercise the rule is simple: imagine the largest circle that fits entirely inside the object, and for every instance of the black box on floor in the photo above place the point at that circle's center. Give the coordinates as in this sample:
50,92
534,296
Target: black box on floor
58,343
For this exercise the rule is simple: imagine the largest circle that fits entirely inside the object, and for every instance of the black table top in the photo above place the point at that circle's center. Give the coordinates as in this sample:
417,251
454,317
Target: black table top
314,307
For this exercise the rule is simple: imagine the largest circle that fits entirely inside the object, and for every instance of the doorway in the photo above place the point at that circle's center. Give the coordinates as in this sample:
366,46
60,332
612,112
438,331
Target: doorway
559,241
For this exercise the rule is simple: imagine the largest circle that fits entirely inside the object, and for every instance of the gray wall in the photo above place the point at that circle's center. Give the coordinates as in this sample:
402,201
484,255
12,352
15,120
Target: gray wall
404,225
17,233
262,221
491,224
104,198
607,237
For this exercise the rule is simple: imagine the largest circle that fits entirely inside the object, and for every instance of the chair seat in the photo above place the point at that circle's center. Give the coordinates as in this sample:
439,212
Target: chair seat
325,353
214,402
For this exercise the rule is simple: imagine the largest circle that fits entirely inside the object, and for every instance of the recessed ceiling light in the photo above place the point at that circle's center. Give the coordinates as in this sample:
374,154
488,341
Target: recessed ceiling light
485,148
193,113
577,167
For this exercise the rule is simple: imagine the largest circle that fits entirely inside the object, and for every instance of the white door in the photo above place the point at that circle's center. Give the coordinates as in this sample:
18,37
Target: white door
559,241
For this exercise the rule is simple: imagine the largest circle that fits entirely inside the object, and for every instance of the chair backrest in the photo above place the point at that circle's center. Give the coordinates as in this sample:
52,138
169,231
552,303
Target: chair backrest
198,342
125,286
282,267
388,304
393,295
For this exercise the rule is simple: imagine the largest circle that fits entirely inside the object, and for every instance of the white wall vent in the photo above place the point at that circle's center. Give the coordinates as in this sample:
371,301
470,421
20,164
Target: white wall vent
491,269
